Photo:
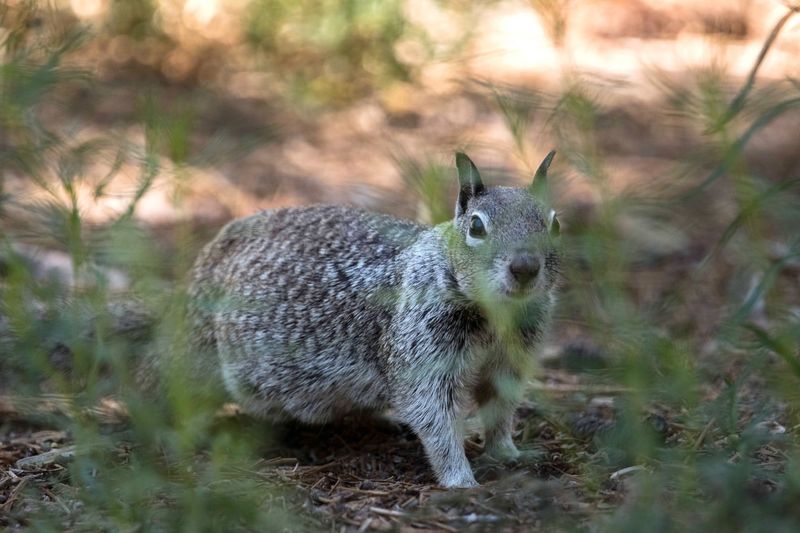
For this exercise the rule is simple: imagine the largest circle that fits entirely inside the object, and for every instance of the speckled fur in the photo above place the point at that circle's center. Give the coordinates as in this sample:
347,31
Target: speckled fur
318,312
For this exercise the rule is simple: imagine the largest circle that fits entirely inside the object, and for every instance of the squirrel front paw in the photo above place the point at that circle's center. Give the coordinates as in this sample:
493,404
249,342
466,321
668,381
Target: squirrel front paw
461,481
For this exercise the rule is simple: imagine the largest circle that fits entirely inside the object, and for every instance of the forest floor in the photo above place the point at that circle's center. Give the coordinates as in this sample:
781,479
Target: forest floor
374,476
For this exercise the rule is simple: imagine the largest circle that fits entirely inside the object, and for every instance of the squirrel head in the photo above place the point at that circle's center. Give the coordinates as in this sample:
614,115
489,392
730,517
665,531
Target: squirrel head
503,241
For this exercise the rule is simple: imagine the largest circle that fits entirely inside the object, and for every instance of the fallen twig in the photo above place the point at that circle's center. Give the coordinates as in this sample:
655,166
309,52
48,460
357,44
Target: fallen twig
387,512
703,435
108,411
12,498
569,387
625,471
54,456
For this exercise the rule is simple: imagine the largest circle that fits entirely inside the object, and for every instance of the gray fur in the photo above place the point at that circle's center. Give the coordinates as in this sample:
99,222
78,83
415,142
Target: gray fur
317,312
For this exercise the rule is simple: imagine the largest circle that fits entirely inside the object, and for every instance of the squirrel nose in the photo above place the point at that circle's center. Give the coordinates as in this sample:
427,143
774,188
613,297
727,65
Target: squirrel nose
524,267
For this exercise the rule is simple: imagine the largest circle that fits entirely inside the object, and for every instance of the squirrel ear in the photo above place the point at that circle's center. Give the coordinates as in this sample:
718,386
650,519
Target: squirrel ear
538,186
469,180
553,224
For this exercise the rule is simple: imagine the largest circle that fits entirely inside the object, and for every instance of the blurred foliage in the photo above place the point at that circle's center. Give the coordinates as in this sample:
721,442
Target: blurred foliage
555,16
313,53
135,18
718,349
335,50
712,476
56,334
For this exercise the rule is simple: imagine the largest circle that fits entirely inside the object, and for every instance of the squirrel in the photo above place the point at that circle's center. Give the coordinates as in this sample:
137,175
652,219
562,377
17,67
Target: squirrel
313,313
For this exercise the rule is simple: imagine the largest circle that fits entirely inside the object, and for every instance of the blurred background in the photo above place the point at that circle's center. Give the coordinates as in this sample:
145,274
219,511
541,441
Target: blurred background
132,130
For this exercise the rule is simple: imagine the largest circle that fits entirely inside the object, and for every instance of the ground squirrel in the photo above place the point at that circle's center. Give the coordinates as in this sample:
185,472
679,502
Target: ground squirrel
317,312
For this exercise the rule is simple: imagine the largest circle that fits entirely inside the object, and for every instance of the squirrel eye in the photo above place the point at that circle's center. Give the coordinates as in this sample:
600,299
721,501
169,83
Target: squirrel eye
476,228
